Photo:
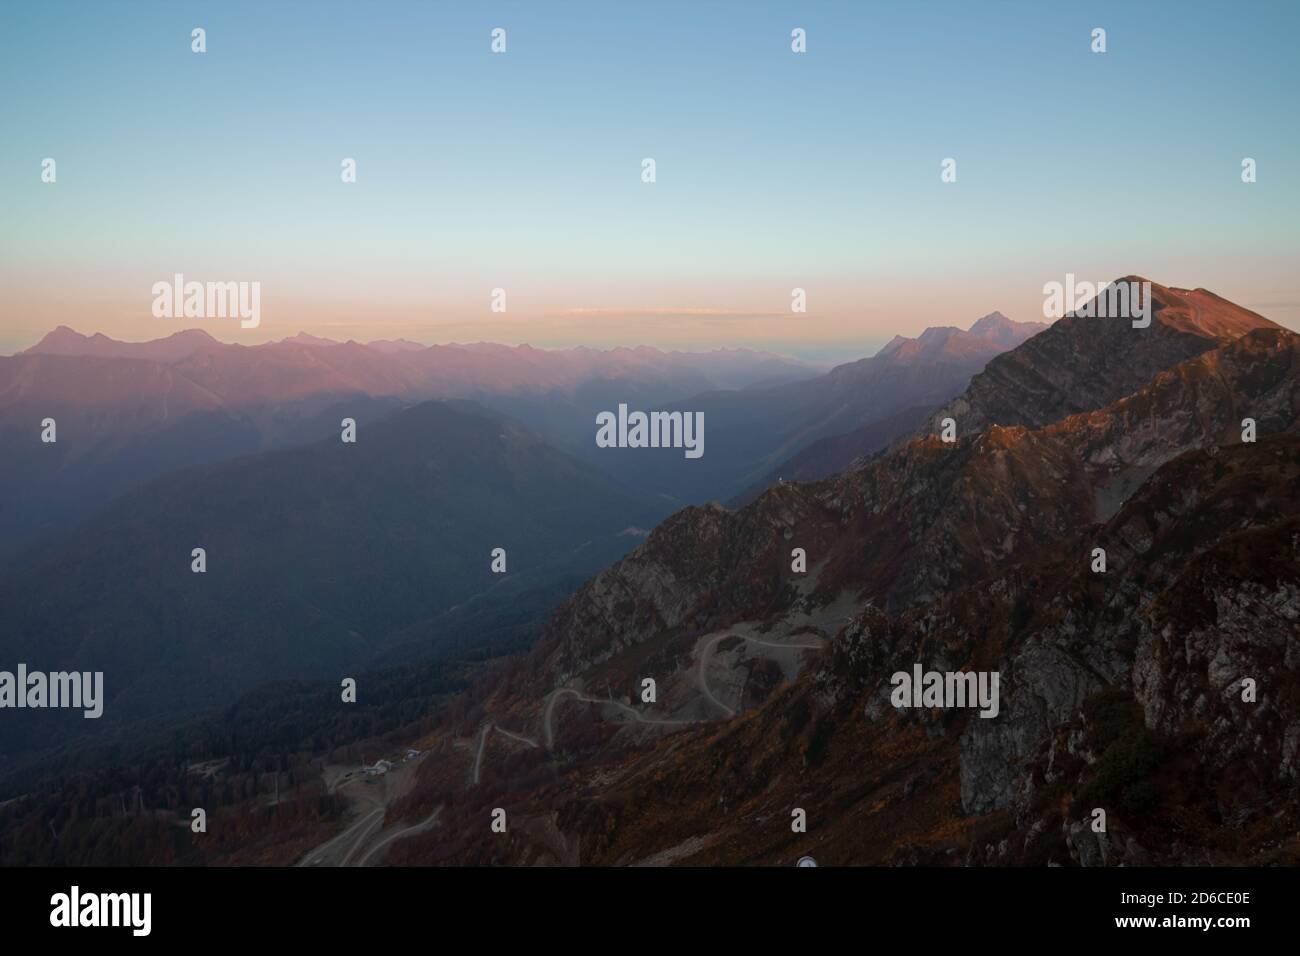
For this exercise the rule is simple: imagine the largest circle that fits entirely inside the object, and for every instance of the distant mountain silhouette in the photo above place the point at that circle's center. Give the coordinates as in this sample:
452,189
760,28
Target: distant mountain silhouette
173,348
127,412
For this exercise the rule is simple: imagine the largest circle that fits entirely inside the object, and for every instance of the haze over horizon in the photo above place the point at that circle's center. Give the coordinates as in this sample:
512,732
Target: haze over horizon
522,171
68,332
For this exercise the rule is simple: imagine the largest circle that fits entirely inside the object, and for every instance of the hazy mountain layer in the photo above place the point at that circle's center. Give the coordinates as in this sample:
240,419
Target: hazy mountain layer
752,433
126,412
319,559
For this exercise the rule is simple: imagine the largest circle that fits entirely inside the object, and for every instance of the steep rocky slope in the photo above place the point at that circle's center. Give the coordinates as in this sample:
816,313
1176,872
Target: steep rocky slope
931,516
1121,689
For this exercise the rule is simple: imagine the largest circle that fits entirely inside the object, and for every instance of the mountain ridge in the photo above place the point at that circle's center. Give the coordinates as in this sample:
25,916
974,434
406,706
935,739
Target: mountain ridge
1062,371
963,555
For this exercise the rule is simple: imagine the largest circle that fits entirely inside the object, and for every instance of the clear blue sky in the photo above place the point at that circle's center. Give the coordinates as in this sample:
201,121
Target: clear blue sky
521,171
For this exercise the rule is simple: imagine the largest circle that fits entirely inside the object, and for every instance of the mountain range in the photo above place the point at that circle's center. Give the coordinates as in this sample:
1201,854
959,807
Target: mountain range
244,442
1123,686
129,411
1113,530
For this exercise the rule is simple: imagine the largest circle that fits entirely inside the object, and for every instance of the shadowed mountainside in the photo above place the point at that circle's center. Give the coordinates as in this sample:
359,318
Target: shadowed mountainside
318,560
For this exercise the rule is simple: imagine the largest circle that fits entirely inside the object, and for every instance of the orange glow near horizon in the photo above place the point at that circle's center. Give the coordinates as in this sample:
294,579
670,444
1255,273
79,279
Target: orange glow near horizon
845,319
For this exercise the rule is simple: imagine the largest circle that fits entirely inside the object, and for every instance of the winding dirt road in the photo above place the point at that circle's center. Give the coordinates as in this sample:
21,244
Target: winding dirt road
555,695
364,838
482,742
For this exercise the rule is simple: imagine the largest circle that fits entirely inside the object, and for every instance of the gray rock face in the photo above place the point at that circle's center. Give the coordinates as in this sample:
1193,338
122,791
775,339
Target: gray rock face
1204,674
1049,687
1088,847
